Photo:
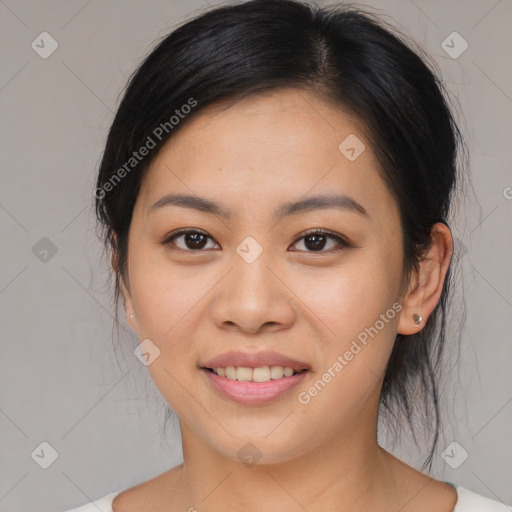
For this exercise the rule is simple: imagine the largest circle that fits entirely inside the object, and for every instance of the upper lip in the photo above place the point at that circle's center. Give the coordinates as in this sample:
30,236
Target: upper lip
254,360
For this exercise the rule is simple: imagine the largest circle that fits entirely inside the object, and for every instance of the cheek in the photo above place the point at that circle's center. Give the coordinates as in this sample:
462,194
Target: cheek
356,312
351,297
165,303
358,320
342,300
163,294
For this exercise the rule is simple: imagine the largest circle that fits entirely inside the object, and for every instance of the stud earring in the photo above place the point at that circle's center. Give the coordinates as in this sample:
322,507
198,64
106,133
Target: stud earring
417,319
132,316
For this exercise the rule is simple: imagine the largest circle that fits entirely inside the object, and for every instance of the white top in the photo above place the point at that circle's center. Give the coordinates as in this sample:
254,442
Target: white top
467,501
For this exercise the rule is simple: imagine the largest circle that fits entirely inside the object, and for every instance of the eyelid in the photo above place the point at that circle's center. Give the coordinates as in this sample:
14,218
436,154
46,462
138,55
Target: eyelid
342,241
183,231
321,231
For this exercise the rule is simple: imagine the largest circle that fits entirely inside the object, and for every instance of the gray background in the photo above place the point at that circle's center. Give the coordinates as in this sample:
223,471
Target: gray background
61,380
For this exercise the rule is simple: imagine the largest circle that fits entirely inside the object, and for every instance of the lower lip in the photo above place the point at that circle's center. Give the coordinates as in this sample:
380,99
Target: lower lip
248,392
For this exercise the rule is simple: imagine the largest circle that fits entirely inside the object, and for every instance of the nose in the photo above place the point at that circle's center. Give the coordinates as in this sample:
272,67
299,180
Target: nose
253,298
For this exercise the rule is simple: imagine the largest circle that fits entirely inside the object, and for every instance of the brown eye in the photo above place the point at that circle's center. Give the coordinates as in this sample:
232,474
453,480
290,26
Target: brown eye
318,240
190,240
194,240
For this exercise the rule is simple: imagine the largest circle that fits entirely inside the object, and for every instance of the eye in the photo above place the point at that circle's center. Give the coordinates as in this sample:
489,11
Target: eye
192,239
316,240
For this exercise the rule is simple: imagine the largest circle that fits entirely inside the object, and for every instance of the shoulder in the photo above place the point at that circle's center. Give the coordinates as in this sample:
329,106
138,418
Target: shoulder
469,501
103,504
135,498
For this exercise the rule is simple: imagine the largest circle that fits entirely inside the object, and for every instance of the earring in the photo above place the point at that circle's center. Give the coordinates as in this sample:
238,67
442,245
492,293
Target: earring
132,316
417,319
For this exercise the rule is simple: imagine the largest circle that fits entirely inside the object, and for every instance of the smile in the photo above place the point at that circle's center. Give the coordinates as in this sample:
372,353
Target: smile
253,386
259,374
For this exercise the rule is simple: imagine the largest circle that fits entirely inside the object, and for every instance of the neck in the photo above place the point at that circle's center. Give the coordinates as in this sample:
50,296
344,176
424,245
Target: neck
348,472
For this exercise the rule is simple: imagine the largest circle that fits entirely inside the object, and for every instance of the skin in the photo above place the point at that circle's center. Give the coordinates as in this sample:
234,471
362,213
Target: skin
252,157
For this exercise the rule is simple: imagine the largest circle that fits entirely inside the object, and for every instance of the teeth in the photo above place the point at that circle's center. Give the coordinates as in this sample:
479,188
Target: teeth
288,372
243,373
230,372
260,374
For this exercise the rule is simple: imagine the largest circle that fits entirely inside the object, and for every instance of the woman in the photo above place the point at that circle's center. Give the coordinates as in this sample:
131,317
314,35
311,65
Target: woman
274,192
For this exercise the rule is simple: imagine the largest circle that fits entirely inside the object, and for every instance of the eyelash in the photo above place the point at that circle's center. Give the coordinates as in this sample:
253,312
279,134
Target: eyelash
184,231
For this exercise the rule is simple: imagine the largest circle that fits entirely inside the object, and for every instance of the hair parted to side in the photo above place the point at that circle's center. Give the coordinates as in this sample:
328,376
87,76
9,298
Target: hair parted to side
350,58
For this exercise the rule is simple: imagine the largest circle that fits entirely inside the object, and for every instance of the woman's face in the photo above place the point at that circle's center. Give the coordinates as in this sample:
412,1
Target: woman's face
257,283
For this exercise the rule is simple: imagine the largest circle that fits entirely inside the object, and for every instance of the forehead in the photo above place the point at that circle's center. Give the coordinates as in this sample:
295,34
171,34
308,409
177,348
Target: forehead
277,145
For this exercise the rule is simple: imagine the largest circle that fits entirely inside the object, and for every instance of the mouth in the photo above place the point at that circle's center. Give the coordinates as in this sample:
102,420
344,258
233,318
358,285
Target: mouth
253,378
257,374
253,386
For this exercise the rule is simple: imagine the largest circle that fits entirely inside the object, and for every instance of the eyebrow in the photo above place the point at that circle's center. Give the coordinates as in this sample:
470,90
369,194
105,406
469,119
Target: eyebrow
319,202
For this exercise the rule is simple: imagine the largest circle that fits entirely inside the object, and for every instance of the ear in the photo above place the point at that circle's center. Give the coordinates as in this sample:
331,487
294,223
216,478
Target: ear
129,309
426,284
